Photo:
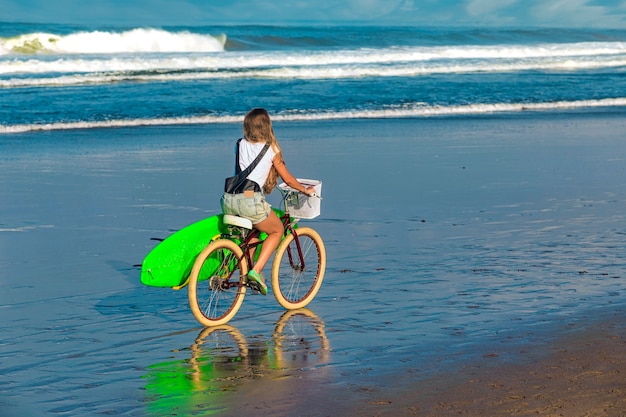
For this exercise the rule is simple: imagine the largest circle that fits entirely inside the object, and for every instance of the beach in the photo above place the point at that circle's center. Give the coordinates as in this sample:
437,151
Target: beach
475,266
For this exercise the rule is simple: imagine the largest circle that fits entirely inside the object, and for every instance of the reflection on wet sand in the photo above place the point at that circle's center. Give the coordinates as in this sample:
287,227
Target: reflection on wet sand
222,362
300,341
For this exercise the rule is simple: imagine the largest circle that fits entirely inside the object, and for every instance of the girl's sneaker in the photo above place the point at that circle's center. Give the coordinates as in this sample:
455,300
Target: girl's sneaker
257,282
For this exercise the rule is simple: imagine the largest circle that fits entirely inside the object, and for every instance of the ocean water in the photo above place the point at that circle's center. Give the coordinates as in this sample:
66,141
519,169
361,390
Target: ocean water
60,76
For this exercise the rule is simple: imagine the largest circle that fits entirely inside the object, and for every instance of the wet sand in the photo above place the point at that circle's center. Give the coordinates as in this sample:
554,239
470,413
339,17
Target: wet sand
475,267
580,374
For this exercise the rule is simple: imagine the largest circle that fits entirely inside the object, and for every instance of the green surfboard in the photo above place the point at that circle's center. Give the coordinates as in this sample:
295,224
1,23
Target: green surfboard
170,262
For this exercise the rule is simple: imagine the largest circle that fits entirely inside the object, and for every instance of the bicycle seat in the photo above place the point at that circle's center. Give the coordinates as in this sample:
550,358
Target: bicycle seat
237,221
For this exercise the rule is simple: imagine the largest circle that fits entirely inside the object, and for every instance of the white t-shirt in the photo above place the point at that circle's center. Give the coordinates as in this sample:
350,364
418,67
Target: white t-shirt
248,152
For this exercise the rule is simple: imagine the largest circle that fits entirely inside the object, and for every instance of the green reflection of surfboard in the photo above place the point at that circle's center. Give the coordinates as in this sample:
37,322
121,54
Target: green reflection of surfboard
173,388
203,383
170,262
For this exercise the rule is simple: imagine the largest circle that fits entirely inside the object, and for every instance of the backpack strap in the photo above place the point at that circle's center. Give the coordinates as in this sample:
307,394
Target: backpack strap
237,169
240,182
254,163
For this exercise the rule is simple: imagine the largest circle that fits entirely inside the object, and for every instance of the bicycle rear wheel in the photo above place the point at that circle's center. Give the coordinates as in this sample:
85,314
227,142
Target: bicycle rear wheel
217,283
295,279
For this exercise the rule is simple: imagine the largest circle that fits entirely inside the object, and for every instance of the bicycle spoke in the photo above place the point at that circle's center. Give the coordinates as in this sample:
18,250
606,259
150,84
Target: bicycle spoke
301,277
215,292
297,275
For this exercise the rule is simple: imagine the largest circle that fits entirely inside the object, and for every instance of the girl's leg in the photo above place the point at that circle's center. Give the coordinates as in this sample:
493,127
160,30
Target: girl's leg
274,229
252,251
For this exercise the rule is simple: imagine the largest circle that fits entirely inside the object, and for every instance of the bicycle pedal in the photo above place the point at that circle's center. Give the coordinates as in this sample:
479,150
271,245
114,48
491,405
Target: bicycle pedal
255,287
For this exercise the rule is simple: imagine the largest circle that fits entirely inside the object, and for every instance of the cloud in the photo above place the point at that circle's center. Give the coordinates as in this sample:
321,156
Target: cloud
553,13
486,7
523,13
578,13
492,12
324,11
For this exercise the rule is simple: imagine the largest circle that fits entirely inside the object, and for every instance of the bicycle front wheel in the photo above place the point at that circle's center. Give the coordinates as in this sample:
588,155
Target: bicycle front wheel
217,283
298,268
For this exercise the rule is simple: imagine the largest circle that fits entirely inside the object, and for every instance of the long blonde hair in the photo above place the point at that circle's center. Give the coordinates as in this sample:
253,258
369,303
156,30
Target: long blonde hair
257,127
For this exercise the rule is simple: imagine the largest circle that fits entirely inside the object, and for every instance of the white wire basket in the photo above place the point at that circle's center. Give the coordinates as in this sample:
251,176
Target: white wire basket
300,205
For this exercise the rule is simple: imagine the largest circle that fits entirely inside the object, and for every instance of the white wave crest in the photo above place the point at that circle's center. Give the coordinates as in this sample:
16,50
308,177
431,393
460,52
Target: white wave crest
99,42
414,110
186,69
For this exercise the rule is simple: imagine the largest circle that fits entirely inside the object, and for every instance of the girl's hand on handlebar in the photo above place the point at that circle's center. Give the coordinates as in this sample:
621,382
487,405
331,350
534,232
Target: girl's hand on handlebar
310,191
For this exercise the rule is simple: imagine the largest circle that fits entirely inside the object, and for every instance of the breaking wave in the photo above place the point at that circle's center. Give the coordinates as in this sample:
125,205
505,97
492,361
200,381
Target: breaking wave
356,63
100,42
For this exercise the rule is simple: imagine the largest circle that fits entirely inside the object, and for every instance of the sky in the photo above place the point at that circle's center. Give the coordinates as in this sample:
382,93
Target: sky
518,13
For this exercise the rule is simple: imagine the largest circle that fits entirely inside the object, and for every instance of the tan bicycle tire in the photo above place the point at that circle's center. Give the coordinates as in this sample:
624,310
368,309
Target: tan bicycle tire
293,288
201,309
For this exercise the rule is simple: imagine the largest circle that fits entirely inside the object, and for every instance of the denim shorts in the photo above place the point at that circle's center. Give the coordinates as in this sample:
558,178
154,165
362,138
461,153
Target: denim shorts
254,207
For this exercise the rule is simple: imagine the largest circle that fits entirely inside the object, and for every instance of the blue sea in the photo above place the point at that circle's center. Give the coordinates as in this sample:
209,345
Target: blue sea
67,76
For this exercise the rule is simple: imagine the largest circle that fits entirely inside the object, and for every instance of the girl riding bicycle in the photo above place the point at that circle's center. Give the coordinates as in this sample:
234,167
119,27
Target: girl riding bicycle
249,202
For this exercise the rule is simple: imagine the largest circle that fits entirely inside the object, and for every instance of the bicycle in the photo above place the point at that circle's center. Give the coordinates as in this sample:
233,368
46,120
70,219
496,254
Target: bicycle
218,284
